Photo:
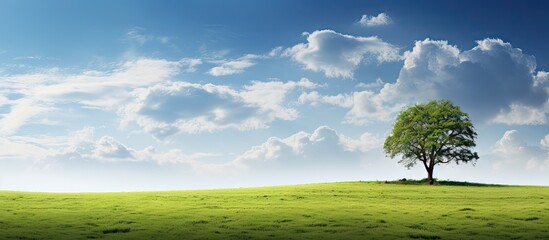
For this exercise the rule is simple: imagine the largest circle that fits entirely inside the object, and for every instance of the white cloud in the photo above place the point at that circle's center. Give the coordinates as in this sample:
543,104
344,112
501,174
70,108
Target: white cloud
338,55
367,106
372,21
364,106
190,64
39,147
227,67
28,58
522,115
545,141
270,96
108,148
38,93
492,82
231,67
541,79
166,109
136,35
54,84
21,149
511,149
275,51
375,85
20,113
314,98
78,143
324,147
82,145
3,100
510,143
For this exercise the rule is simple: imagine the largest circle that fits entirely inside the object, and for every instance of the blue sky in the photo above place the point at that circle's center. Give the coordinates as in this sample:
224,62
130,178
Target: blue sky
141,95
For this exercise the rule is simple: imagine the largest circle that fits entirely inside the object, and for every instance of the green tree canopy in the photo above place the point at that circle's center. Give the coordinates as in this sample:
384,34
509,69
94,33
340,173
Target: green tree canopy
432,133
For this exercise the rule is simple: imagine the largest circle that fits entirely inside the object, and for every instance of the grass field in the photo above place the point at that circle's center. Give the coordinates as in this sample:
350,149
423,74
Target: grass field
350,210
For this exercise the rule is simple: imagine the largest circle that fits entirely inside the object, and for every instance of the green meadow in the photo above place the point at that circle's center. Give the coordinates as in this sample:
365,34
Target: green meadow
347,210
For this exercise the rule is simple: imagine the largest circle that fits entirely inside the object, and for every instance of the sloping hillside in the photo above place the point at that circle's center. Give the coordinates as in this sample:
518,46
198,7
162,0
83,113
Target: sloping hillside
349,210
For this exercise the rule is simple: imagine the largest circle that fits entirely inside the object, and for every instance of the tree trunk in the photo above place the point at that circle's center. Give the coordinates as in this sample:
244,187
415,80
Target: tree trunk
430,175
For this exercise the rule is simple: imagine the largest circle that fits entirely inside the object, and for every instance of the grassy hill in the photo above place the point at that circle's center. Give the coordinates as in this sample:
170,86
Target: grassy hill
349,210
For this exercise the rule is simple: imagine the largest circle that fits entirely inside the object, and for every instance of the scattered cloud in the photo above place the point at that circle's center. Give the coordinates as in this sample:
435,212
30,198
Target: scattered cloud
511,149
521,114
21,112
108,148
368,106
18,148
169,108
541,79
322,149
493,82
136,35
231,67
364,106
82,146
374,85
227,67
28,58
319,149
41,92
338,55
277,51
545,141
314,98
190,64
373,21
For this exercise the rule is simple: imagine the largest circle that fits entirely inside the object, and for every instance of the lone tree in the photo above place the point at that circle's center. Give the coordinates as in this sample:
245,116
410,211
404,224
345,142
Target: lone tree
432,133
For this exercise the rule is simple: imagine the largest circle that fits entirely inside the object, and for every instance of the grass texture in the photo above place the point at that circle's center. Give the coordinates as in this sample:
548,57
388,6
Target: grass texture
347,210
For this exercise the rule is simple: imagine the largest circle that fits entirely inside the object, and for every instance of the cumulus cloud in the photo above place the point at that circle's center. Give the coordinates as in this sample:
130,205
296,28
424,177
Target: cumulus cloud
372,21
82,145
338,55
106,148
493,82
367,106
513,150
364,106
33,94
521,114
545,141
321,148
166,109
541,79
